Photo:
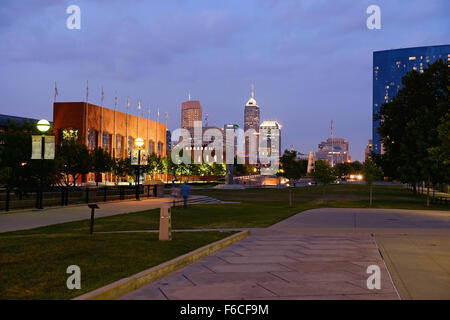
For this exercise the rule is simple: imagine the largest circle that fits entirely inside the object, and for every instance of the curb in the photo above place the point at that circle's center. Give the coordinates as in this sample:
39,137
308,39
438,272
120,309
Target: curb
134,282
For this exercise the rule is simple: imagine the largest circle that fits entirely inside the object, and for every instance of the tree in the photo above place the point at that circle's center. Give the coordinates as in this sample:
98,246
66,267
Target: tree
323,174
441,153
122,168
17,168
102,162
169,166
356,167
371,172
410,125
343,169
218,169
291,169
73,159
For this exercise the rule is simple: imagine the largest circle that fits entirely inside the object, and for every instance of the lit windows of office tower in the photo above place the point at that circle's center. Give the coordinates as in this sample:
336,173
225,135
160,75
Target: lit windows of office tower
251,121
389,66
190,111
251,113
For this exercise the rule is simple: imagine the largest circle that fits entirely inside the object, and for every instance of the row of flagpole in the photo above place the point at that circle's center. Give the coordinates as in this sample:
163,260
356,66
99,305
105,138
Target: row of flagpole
115,101
115,108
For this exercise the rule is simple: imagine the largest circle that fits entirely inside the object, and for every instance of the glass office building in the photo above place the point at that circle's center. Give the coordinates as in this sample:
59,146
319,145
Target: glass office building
389,66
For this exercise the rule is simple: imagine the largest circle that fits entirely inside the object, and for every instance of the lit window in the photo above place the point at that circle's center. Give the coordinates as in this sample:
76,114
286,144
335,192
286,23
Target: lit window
412,58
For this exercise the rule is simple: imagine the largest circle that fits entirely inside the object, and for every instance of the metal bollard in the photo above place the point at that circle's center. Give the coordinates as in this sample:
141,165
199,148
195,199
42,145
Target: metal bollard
165,224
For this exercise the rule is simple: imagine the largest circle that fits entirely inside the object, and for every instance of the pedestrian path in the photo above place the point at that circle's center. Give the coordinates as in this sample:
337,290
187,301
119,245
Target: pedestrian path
323,254
28,219
279,267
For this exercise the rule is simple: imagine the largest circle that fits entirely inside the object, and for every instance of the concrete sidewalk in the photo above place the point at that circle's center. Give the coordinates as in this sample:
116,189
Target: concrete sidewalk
323,254
279,267
22,220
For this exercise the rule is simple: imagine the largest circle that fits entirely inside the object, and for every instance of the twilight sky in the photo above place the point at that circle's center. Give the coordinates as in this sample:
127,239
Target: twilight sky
310,60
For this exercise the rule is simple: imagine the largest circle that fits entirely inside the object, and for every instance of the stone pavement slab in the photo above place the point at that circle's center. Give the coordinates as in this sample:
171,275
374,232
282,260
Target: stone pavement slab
324,254
236,273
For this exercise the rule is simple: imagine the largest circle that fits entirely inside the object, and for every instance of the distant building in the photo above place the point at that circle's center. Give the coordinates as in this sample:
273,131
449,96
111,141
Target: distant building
368,149
190,111
168,141
273,129
251,122
389,66
5,120
114,131
334,151
251,113
311,162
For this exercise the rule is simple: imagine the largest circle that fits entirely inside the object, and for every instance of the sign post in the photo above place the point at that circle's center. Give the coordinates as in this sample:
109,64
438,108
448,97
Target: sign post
165,224
42,147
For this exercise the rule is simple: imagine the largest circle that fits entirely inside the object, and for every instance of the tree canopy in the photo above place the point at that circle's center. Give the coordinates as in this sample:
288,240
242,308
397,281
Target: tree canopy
414,127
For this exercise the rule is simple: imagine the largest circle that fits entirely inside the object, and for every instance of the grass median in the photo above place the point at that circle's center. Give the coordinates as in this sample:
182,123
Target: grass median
33,266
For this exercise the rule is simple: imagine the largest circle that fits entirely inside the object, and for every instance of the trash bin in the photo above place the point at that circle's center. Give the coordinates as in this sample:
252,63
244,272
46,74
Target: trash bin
158,187
91,194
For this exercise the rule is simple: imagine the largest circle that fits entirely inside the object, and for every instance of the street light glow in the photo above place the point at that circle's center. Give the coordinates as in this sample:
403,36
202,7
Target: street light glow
43,125
139,142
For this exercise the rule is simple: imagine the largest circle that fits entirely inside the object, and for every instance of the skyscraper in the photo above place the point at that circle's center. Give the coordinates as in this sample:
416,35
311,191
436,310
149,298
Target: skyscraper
389,66
251,122
251,113
190,111
273,131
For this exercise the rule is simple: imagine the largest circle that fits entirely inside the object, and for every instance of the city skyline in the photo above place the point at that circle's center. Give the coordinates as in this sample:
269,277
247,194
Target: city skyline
310,61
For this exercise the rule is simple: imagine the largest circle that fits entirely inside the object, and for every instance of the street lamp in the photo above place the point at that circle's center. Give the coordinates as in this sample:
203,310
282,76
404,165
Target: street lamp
139,142
43,126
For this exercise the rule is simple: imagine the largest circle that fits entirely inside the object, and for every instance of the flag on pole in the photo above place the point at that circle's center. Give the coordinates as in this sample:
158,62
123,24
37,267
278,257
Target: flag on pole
115,101
128,104
87,90
158,114
103,96
56,91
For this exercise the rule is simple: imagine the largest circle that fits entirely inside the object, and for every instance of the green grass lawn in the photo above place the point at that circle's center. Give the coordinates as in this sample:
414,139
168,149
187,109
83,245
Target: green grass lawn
255,208
33,266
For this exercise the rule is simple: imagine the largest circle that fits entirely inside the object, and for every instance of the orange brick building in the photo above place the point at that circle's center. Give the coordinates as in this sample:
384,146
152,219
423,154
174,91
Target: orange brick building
112,130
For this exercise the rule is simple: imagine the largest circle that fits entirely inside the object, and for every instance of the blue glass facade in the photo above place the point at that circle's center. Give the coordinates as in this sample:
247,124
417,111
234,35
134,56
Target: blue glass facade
389,66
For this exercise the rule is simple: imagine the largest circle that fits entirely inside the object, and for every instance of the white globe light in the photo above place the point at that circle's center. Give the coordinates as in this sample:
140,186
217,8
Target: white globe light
139,142
43,125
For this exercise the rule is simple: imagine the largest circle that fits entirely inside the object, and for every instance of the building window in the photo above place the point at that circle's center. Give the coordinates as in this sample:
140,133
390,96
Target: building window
151,146
130,143
160,147
119,146
70,134
106,141
92,139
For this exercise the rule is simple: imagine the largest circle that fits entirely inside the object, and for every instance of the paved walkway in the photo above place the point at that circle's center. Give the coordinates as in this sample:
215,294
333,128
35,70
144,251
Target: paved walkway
321,254
28,219
279,267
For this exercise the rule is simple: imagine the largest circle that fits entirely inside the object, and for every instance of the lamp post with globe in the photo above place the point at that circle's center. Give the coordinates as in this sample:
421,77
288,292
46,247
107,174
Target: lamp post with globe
43,126
139,142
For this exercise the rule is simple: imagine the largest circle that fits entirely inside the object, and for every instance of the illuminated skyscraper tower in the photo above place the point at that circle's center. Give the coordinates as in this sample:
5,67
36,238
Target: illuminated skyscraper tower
251,113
